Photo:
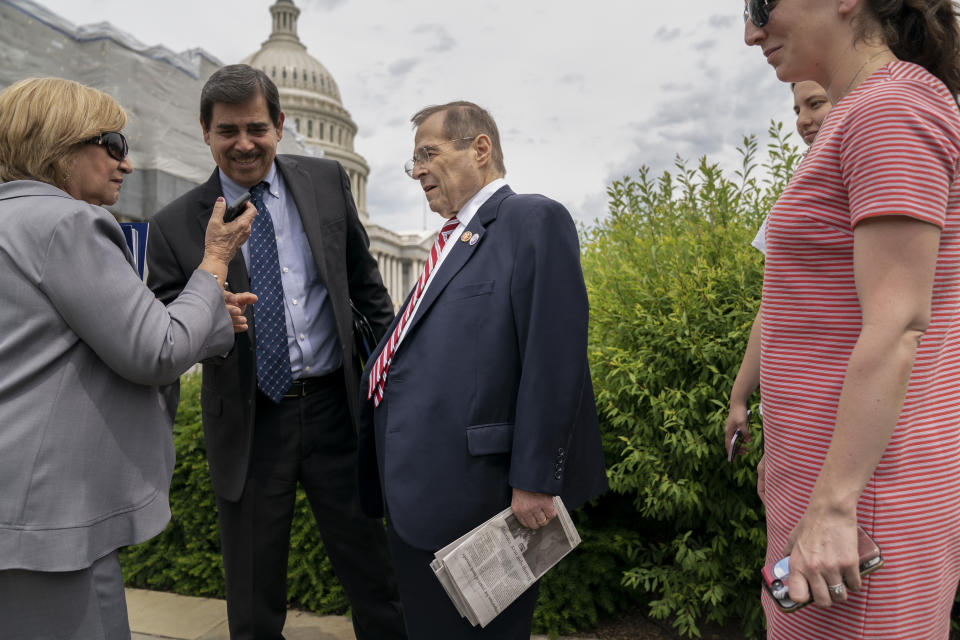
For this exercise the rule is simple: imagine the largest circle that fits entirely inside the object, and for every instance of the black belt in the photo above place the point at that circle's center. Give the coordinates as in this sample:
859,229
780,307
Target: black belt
305,386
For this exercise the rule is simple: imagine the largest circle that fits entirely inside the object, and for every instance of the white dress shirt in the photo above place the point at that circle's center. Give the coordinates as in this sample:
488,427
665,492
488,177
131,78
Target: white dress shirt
464,216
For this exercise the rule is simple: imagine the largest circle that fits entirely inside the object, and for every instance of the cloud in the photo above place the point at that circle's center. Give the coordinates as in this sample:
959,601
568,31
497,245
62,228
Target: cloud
575,81
666,35
326,5
698,120
673,87
403,66
590,208
436,37
721,21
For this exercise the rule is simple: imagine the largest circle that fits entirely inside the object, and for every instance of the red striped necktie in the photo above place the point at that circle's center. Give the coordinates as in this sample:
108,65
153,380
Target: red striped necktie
378,375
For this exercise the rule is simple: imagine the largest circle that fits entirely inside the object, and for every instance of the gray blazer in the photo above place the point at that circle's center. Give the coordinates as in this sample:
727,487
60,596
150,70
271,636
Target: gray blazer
86,453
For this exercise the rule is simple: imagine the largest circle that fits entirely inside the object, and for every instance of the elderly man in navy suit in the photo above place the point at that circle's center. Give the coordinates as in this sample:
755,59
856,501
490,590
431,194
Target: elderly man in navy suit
479,396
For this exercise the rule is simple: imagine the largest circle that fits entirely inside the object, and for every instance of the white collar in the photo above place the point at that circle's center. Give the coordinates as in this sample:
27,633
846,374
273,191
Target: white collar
467,211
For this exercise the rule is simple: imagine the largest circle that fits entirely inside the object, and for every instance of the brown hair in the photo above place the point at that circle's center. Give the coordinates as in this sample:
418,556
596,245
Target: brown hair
42,120
464,119
236,84
924,32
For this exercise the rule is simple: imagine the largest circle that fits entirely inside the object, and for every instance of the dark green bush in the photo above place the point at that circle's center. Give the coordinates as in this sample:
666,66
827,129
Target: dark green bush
674,286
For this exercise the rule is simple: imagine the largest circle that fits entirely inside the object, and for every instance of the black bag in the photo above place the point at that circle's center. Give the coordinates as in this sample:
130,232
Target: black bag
364,338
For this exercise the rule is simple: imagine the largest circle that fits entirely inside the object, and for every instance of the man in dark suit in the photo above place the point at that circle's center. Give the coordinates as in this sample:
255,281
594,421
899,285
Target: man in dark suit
280,407
479,396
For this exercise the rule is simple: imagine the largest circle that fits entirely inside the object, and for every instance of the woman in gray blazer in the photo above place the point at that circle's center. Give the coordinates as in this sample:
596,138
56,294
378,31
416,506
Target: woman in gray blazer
86,453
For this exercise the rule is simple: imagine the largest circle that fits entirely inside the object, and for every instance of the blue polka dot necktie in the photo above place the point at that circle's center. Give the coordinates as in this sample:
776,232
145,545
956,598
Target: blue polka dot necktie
270,327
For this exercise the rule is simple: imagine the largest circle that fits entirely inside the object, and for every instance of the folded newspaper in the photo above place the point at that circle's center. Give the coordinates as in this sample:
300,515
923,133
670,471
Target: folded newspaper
486,569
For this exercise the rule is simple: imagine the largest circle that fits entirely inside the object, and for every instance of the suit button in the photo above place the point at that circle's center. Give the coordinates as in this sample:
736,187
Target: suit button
560,451
557,475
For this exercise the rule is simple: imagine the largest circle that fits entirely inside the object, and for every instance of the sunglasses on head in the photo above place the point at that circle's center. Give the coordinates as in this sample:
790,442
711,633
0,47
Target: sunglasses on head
113,142
758,11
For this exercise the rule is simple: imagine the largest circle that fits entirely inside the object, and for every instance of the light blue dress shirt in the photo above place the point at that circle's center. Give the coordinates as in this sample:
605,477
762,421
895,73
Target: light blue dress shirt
311,326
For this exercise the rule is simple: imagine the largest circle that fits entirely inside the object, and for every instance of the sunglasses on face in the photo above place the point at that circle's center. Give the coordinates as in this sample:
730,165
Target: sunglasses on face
758,11
113,142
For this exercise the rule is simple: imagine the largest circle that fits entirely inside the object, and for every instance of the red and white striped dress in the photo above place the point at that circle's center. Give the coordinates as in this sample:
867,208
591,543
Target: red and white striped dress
890,147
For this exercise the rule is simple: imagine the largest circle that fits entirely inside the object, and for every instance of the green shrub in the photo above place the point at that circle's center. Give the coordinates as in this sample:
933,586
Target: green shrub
674,286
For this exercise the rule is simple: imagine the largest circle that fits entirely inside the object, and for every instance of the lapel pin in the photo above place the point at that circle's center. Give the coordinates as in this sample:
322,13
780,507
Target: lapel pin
466,236
475,239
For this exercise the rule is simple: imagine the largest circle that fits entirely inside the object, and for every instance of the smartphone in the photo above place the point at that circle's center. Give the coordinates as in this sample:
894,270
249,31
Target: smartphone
734,443
775,575
236,208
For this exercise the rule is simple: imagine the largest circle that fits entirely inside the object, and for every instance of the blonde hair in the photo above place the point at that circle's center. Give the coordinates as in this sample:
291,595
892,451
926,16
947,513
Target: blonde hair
42,120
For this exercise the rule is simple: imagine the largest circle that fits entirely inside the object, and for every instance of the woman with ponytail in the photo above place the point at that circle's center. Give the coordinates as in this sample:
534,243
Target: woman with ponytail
860,348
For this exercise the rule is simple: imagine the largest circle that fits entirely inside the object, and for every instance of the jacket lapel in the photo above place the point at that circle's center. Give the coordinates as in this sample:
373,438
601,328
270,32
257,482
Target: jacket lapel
308,197
459,255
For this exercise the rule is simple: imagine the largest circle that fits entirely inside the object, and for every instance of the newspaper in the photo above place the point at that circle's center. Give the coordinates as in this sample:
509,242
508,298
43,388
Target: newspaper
485,570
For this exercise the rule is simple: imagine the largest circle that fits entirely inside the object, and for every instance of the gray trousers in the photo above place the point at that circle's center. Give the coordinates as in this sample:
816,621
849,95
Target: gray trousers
71,605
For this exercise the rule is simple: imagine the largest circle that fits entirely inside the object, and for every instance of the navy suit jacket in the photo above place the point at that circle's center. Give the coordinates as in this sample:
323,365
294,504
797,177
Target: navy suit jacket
490,388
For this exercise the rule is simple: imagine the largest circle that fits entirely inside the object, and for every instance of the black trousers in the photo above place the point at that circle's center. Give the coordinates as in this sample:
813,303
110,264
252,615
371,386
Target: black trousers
309,440
429,613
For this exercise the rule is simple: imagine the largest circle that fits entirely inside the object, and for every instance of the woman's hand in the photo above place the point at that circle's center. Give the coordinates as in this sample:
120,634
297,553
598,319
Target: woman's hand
824,559
224,238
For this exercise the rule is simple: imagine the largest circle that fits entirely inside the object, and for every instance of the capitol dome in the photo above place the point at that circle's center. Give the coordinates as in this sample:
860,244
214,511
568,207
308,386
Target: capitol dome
310,98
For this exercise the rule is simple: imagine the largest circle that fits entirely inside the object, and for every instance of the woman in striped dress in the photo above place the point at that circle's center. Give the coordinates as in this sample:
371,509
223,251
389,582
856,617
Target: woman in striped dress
860,349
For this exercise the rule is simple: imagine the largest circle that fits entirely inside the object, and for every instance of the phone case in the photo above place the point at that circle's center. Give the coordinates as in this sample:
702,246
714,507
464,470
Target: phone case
775,575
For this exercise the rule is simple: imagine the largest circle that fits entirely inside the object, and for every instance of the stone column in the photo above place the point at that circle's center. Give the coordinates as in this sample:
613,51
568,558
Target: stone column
396,280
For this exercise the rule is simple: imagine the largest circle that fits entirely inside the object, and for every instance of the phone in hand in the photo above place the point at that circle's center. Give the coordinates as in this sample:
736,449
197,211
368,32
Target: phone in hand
775,575
236,208
734,443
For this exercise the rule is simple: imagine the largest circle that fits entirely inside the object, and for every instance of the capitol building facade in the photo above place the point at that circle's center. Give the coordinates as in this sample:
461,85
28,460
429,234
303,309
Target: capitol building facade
160,90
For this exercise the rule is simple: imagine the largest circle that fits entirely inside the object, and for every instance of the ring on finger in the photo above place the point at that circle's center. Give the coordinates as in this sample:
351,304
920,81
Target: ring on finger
836,589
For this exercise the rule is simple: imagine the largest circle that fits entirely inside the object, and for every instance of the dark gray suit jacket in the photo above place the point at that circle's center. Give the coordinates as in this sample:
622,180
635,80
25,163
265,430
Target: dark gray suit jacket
339,245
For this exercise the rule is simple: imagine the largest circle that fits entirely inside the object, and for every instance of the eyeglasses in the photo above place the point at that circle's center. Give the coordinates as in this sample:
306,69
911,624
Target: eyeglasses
423,155
758,11
113,142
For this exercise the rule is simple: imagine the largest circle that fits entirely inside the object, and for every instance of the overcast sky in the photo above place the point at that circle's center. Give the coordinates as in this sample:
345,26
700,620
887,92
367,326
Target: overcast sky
584,92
